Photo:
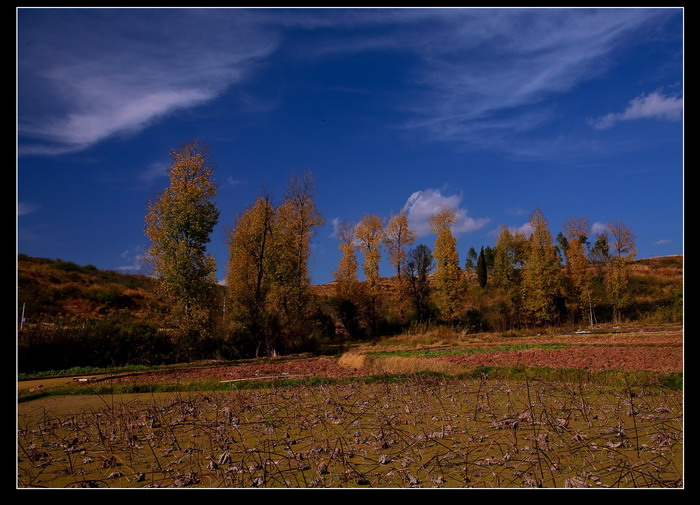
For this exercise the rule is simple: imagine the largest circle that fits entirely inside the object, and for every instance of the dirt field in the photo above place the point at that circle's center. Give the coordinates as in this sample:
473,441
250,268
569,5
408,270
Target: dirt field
659,350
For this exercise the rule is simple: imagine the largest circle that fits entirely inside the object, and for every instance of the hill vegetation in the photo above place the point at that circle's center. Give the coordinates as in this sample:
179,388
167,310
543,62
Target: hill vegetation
80,315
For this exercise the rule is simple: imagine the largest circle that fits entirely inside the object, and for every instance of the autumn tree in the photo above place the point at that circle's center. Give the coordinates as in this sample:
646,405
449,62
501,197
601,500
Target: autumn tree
346,283
297,217
250,275
346,274
617,278
580,276
541,273
509,257
397,236
419,265
368,234
179,223
448,274
578,268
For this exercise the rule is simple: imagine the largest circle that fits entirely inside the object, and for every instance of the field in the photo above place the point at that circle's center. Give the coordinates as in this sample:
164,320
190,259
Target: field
601,409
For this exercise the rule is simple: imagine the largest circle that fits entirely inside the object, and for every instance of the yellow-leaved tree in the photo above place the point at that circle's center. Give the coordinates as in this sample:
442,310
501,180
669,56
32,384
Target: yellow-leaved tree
250,277
179,223
448,276
541,282
297,217
509,257
347,286
368,234
397,236
578,268
617,276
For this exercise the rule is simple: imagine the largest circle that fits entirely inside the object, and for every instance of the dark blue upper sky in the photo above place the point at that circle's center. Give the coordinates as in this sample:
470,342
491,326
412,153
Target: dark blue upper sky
495,112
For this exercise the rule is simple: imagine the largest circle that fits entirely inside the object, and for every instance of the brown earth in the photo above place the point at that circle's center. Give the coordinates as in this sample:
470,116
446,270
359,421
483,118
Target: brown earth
659,350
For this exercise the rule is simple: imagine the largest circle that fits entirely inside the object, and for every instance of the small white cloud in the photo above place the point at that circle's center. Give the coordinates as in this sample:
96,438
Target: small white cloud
26,208
525,229
133,258
422,205
662,241
597,228
515,211
654,105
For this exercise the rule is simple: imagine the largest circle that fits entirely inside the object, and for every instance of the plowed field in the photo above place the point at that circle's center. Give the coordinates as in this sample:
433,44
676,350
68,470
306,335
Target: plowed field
658,350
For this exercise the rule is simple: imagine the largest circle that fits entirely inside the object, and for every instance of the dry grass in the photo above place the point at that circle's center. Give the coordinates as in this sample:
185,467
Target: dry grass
398,364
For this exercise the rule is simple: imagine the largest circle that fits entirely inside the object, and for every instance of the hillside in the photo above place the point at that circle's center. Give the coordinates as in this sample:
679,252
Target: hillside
51,289
62,289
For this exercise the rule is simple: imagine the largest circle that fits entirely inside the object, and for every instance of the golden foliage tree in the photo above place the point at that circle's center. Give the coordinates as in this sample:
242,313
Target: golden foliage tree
346,275
617,276
179,223
581,276
250,274
347,286
541,273
578,267
297,217
509,257
448,277
368,234
397,236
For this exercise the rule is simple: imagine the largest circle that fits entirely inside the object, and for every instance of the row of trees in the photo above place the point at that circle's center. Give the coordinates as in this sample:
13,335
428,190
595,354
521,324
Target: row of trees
269,303
525,279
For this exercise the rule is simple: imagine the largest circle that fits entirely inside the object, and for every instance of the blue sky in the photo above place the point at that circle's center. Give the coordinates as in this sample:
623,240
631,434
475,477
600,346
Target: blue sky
494,112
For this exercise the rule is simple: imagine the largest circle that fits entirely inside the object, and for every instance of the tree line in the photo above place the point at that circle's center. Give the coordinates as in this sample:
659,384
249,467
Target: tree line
269,306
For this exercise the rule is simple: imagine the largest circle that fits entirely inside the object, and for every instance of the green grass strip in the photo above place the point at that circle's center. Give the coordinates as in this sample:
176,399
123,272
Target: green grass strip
615,378
453,352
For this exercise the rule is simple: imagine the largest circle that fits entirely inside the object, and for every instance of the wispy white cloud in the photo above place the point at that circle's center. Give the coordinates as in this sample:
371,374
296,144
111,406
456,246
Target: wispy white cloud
24,208
232,181
334,223
88,74
662,241
422,205
655,105
154,171
517,58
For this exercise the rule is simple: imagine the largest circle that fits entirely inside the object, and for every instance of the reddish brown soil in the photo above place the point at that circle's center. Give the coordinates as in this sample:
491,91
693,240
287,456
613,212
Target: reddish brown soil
656,358
659,351
270,368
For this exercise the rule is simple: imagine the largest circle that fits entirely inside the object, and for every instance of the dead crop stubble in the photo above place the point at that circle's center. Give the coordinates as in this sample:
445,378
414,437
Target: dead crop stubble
426,432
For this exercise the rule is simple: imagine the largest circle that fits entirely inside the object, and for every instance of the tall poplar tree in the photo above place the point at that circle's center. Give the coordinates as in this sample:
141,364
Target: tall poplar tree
617,277
448,275
541,273
297,217
368,234
347,286
397,236
509,257
250,275
179,223
419,264
578,267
